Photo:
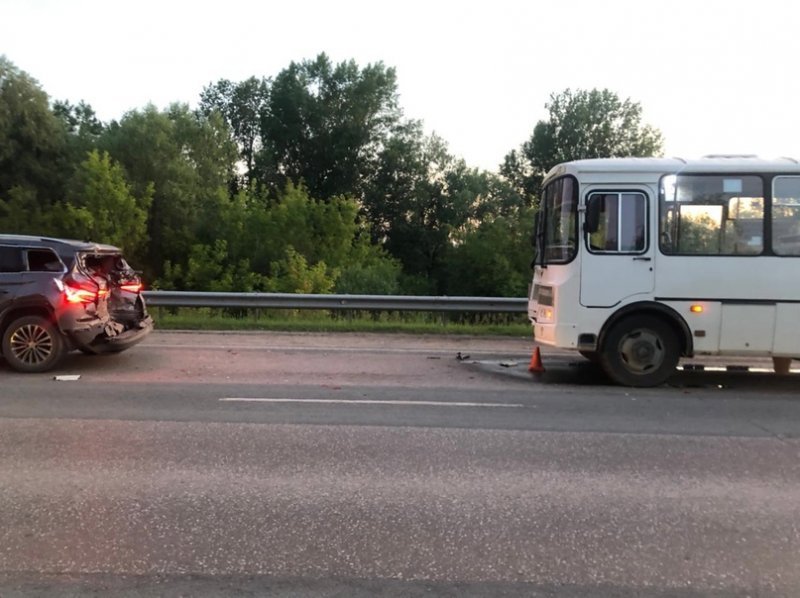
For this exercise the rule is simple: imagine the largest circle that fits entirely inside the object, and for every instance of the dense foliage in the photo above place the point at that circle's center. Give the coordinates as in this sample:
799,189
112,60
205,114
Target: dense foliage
581,124
310,181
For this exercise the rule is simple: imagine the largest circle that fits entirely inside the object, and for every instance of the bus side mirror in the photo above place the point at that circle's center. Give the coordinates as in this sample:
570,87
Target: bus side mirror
593,207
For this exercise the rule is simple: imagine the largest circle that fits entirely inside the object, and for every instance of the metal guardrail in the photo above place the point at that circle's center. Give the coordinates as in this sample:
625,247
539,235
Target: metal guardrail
336,302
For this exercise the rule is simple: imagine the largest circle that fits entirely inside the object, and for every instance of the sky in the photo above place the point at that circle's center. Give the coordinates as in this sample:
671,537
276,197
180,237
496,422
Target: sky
715,77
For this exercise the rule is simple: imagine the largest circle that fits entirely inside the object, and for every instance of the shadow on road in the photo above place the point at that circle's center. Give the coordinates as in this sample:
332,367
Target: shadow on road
580,372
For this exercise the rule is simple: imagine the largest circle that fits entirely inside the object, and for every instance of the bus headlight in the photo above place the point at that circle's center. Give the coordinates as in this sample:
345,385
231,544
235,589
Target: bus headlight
545,304
544,314
544,295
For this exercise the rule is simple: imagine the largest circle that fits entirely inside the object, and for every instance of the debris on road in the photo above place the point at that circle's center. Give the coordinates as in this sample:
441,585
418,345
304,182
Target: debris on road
67,377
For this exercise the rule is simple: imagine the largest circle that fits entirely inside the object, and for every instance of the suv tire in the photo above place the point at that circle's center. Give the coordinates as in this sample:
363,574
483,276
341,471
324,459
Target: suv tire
33,344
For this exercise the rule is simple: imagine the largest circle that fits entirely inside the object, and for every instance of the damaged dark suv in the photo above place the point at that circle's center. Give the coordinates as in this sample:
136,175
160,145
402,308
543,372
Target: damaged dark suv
58,295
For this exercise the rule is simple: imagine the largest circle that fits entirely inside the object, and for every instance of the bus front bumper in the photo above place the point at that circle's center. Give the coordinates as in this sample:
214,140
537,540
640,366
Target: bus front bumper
563,336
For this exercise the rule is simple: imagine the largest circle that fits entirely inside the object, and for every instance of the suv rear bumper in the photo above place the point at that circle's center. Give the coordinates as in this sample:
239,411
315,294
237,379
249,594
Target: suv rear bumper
81,333
100,343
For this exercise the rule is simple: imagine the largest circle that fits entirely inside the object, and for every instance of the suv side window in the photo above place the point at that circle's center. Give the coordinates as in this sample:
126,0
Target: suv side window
11,259
44,260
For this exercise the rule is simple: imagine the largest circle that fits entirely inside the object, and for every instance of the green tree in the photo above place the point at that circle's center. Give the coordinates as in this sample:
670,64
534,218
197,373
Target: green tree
22,213
317,230
370,271
293,274
325,125
32,141
187,159
581,124
392,185
243,105
83,128
421,198
79,119
289,243
518,173
101,206
210,268
494,259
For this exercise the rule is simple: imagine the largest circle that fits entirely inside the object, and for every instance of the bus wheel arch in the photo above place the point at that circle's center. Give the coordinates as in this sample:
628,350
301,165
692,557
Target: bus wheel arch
641,344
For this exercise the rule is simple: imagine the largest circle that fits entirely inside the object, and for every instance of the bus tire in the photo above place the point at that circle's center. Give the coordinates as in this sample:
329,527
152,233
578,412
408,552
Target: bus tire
640,351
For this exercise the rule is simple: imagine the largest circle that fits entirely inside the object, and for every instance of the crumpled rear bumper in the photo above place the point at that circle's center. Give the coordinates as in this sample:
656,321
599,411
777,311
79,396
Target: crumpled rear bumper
122,341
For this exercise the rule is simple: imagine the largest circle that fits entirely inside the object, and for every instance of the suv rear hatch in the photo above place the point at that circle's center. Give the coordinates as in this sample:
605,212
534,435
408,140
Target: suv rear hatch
119,301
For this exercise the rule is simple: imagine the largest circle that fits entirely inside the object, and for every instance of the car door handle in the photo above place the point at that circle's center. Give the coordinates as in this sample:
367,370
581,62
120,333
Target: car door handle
642,259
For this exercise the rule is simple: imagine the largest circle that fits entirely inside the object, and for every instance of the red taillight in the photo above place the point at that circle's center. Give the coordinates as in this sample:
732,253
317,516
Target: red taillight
131,287
79,295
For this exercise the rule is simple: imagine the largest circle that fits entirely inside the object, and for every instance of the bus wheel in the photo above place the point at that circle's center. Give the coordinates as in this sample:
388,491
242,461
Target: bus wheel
640,351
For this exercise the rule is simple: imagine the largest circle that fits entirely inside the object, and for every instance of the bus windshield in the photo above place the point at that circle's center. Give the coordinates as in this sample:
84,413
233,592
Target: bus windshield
557,237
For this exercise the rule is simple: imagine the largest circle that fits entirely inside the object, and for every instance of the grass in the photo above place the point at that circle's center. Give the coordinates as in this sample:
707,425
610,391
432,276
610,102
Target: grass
323,321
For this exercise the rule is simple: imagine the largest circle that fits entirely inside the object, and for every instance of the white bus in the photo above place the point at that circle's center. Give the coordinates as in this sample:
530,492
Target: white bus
640,261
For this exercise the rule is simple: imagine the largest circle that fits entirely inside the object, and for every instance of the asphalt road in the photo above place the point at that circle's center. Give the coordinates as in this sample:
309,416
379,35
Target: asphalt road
354,465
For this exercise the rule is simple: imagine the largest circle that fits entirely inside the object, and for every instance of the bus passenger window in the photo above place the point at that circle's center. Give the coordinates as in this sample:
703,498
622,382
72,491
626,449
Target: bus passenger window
786,215
711,215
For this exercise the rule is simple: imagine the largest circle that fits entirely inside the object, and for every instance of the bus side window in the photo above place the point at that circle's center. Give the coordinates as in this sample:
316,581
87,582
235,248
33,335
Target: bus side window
786,215
708,214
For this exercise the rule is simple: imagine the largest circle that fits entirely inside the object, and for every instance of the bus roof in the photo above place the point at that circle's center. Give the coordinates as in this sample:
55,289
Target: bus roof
662,166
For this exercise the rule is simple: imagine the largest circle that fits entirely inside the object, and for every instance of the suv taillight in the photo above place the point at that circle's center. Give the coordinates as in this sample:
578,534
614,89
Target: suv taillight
78,295
74,292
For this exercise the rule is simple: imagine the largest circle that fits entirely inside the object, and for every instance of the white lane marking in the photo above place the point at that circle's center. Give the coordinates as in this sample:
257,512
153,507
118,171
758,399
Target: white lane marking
368,402
751,370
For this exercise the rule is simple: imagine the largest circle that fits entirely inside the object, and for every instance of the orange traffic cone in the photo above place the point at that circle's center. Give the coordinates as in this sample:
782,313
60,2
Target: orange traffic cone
536,366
